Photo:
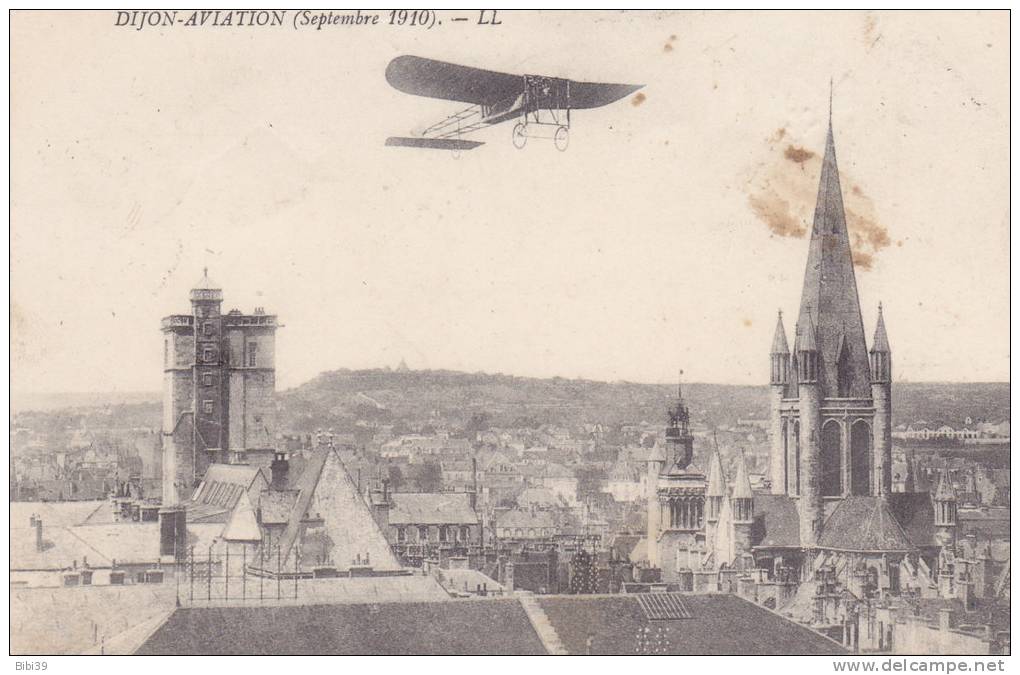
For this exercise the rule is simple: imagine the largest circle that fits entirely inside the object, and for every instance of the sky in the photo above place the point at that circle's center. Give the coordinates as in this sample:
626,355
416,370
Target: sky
667,236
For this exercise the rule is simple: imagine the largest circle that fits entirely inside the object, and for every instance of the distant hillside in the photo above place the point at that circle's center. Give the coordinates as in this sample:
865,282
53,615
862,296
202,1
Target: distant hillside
23,401
338,398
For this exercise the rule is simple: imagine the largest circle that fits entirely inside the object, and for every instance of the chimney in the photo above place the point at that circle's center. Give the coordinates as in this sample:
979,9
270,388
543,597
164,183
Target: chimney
946,619
279,469
38,534
173,532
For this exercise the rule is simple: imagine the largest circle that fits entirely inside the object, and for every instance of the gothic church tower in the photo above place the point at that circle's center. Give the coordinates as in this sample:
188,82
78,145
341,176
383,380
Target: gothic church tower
831,406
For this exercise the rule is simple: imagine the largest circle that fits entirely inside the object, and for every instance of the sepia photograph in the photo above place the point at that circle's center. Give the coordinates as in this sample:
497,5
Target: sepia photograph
496,332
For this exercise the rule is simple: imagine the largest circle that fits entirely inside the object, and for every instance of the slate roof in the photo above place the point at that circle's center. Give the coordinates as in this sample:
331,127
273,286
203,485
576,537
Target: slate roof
468,626
223,484
719,624
776,521
126,542
276,506
432,508
344,527
915,514
864,524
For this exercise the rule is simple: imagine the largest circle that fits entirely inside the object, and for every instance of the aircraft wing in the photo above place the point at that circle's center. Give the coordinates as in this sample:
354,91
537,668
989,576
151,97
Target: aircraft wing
597,94
435,143
451,82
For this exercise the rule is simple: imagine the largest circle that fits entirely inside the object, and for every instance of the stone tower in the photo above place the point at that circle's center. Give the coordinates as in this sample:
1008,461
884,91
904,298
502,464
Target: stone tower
831,409
219,385
681,495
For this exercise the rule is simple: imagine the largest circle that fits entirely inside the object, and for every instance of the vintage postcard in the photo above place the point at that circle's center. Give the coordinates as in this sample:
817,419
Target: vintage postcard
493,332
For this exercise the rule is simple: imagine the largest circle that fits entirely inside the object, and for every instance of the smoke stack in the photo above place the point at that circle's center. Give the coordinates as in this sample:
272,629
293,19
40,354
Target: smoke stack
38,534
279,469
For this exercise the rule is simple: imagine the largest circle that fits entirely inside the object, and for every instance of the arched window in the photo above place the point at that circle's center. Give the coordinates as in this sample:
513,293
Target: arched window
832,459
860,458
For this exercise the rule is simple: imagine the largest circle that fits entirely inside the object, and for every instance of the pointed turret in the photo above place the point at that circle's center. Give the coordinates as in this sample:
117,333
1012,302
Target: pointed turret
779,345
944,502
779,357
806,344
945,492
741,484
716,477
716,491
881,341
881,354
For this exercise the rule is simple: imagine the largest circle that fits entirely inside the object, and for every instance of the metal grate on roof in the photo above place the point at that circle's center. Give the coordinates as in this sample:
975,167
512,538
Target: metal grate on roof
663,606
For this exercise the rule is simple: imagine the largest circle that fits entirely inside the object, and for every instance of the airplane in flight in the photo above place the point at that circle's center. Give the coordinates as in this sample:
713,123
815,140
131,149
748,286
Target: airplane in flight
541,105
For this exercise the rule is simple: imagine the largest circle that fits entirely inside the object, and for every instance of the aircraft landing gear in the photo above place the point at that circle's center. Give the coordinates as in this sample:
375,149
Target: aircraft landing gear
562,138
520,136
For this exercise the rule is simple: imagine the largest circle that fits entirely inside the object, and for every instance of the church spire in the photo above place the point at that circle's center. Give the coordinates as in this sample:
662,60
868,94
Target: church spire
881,341
829,299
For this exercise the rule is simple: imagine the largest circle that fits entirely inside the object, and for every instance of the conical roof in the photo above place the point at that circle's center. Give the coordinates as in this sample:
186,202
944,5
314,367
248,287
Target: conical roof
741,484
205,283
716,477
881,342
806,334
829,299
779,344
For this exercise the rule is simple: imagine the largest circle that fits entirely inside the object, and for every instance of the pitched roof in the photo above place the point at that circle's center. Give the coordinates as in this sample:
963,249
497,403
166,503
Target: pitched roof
829,299
344,527
242,525
719,624
276,505
432,508
468,626
864,524
223,484
915,514
776,522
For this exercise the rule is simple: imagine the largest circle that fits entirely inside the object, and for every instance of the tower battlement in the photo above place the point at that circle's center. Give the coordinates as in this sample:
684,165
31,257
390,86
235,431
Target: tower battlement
219,388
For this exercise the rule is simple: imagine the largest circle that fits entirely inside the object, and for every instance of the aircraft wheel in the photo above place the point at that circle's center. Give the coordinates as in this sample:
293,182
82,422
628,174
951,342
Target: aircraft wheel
562,138
520,136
